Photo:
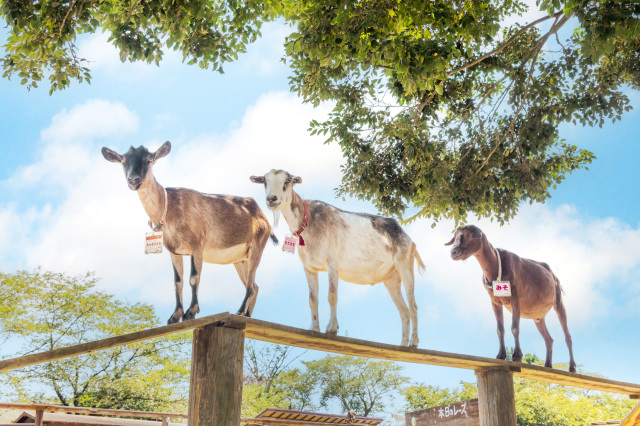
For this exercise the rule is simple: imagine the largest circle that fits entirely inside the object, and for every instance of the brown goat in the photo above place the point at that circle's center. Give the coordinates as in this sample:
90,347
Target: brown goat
210,228
534,289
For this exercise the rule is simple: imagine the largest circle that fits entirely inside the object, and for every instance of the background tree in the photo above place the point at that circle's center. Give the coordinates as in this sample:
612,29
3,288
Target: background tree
357,384
46,310
537,403
439,106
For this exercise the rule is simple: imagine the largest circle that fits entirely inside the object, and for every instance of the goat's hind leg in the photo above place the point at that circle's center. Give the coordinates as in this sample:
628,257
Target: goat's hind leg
251,288
394,287
548,341
176,261
562,316
194,281
408,281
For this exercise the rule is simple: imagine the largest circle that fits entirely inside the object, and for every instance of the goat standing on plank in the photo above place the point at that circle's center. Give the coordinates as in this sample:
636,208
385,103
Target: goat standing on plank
210,228
534,289
356,247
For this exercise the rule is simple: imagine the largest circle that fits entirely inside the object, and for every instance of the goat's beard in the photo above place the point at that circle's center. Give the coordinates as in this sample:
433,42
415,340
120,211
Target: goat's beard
276,218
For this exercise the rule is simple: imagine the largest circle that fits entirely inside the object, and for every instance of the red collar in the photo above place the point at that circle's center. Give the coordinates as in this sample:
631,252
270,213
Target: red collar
303,226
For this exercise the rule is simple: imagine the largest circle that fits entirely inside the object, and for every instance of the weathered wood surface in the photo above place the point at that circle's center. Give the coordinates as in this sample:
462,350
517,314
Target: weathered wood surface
87,410
282,334
215,394
633,419
111,342
496,397
292,336
463,413
39,418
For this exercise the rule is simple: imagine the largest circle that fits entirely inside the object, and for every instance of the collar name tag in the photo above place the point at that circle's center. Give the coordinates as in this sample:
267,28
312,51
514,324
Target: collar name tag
153,242
289,245
502,288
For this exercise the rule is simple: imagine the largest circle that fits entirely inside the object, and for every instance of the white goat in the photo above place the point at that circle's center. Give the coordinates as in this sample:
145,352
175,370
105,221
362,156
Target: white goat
356,247
210,228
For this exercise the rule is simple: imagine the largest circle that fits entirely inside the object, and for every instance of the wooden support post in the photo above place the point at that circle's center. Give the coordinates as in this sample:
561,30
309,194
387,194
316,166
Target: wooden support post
215,395
39,418
496,397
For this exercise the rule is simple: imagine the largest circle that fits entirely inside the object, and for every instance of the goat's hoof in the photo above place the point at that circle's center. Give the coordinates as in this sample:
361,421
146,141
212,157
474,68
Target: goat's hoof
517,358
572,368
548,364
188,316
332,332
243,314
173,320
501,355
414,343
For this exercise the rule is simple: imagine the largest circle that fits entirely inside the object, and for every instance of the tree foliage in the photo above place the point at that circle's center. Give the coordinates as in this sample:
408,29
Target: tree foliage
537,403
440,108
357,384
46,311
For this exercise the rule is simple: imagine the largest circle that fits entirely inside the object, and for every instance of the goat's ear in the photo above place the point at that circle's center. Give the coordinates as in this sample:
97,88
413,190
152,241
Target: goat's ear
476,233
296,179
257,179
163,151
111,155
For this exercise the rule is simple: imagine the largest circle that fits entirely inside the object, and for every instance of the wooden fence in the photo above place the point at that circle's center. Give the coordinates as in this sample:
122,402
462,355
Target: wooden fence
217,360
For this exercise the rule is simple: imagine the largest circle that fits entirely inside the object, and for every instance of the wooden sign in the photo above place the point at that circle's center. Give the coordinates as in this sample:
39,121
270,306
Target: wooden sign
463,413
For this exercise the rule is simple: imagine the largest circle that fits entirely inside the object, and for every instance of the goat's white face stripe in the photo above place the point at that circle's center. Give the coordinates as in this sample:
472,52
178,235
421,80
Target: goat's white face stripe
274,182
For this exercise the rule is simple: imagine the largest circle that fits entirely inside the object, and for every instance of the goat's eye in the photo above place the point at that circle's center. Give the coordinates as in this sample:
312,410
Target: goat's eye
150,159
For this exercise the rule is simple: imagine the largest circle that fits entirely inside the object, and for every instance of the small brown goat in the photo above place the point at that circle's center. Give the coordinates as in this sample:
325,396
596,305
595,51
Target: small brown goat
210,228
534,289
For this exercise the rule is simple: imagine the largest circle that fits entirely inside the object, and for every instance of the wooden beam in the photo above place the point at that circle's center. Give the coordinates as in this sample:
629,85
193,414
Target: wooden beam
39,418
88,410
292,336
215,394
111,342
285,335
633,419
496,397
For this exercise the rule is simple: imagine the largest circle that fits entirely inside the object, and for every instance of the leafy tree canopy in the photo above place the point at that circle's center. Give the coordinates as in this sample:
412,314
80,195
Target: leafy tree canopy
45,311
537,403
439,107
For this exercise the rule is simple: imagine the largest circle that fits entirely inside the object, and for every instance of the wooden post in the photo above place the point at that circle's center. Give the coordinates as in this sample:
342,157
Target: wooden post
39,420
215,395
496,397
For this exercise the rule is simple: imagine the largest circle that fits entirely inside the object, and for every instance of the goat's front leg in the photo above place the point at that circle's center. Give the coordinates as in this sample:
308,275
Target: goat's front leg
176,260
312,280
333,326
515,329
497,310
194,281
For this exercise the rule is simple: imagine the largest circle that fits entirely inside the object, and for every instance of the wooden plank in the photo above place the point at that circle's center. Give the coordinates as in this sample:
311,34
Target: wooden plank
463,413
111,342
282,334
633,419
215,393
292,336
88,410
496,397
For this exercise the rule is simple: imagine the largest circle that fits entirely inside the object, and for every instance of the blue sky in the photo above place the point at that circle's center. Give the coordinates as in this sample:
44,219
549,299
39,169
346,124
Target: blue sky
63,207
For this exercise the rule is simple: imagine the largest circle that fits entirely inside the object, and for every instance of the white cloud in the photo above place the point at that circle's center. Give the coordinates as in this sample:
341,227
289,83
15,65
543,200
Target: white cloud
263,56
98,224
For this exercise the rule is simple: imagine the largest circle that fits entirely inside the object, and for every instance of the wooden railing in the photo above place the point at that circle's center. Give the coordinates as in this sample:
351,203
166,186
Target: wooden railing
218,346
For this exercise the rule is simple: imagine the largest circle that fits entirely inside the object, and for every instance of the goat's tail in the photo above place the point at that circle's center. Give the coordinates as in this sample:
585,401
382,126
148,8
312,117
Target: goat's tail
421,266
274,239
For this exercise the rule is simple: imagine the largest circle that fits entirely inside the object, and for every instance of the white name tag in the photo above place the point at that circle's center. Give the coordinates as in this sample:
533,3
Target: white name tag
289,245
153,242
502,288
